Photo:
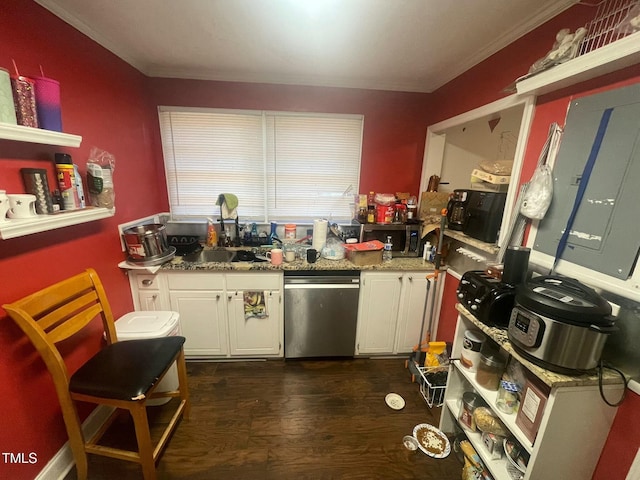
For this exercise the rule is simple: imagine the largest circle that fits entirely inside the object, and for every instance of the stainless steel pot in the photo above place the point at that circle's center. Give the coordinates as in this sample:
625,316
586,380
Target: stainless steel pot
146,242
560,324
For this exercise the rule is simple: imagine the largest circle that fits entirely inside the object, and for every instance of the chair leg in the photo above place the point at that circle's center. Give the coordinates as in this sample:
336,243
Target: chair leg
76,437
143,435
182,380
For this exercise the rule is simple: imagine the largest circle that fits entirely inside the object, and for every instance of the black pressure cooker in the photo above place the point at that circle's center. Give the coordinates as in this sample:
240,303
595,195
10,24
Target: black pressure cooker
560,324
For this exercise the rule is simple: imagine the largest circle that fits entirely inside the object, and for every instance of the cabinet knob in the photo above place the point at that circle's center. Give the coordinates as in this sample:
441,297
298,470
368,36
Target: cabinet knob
218,297
154,296
411,279
400,278
146,282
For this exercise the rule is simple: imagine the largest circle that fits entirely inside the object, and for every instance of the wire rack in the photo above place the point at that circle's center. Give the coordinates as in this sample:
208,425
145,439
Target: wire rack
433,394
602,30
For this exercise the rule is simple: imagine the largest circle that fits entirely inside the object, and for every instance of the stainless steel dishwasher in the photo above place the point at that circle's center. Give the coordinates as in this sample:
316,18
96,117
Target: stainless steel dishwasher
320,313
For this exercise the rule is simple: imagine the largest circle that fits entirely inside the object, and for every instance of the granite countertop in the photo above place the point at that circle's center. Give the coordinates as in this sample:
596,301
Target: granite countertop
552,379
396,264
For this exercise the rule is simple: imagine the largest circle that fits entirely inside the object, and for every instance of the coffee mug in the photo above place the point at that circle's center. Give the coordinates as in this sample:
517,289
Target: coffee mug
275,256
289,255
21,205
312,255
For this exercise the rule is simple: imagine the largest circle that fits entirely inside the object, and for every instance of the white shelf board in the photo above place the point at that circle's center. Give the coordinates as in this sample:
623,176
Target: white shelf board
614,56
18,227
489,396
38,135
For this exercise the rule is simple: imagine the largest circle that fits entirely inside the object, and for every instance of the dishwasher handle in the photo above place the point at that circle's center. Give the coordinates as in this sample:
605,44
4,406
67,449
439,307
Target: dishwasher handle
321,286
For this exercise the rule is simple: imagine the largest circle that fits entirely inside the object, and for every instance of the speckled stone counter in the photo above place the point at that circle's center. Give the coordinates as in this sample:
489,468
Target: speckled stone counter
552,379
396,264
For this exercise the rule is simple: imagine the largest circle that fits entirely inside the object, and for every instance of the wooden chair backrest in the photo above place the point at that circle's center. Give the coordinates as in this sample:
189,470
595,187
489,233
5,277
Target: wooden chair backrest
59,311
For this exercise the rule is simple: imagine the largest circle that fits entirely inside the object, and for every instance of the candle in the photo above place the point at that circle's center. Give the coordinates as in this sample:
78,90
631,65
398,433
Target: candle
25,101
48,103
7,107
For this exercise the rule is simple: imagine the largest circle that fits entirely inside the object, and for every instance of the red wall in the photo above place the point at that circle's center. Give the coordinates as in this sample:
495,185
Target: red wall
103,100
484,84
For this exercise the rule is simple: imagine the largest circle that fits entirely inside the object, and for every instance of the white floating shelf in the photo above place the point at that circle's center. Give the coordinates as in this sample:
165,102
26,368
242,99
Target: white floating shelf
614,56
38,135
19,227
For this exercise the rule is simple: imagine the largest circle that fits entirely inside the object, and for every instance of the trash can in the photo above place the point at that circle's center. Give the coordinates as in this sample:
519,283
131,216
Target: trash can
152,324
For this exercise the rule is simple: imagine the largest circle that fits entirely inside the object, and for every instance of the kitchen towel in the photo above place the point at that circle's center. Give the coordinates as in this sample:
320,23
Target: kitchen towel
255,305
320,228
228,205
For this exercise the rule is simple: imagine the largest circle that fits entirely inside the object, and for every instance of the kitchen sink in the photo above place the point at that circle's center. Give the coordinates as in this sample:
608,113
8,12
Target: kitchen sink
204,256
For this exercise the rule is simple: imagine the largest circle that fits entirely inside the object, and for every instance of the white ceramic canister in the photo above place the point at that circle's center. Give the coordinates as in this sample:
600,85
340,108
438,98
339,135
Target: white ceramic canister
4,205
471,346
7,107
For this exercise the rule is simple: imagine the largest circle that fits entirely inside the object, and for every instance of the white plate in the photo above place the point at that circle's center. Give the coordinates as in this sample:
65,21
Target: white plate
428,433
394,401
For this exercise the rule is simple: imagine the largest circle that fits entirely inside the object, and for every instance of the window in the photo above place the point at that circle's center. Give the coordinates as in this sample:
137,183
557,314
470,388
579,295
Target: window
282,166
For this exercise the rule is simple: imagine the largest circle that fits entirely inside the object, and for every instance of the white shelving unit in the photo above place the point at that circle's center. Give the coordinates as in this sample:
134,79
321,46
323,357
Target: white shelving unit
574,410
609,58
18,227
38,135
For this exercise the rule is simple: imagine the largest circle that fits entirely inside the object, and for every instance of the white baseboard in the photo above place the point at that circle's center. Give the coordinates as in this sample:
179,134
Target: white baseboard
62,462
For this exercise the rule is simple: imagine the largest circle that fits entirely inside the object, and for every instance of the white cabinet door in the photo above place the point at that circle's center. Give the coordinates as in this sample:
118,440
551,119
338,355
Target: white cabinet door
253,336
202,321
150,300
378,312
412,312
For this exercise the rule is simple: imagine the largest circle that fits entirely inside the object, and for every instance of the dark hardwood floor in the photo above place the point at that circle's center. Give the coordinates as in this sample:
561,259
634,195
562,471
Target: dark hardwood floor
293,419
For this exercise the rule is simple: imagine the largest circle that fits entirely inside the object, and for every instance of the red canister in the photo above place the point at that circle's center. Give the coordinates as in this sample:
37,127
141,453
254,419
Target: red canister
384,213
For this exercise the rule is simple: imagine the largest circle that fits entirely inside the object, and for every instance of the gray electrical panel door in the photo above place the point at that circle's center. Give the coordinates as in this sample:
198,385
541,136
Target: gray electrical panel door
605,235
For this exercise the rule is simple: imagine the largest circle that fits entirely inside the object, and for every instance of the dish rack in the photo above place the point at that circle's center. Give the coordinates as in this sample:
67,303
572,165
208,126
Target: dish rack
433,394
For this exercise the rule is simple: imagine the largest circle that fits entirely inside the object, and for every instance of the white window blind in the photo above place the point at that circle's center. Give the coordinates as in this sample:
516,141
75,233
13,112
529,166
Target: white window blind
282,166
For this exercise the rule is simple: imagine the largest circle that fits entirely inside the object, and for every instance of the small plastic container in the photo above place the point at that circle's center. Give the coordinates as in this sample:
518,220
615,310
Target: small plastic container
490,370
290,231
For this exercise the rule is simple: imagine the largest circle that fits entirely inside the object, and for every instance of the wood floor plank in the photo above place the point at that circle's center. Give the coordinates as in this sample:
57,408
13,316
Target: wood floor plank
292,419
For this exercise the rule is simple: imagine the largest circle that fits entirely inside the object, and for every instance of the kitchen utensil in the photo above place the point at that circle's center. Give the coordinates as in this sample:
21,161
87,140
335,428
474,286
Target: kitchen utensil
394,401
147,242
312,255
560,324
275,256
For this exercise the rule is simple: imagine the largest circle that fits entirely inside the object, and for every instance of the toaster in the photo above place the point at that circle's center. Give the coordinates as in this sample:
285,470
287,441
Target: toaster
487,298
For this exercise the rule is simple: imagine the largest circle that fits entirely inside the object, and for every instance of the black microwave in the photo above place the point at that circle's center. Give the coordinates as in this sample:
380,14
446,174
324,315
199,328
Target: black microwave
405,237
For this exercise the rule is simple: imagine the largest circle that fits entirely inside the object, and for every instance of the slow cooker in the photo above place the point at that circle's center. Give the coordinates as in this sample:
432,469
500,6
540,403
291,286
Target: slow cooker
560,324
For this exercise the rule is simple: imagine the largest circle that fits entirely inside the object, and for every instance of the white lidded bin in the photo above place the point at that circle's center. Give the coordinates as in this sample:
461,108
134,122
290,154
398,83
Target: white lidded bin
152,324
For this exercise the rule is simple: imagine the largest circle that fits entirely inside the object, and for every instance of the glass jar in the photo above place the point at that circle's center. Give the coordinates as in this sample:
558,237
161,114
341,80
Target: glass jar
470,401
490,370
508,398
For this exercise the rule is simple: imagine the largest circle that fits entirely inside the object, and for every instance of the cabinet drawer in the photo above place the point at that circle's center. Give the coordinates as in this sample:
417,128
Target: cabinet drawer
195,281
148,282
254,281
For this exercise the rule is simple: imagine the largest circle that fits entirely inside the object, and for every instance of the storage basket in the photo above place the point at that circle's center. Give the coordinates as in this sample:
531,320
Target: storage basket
431,390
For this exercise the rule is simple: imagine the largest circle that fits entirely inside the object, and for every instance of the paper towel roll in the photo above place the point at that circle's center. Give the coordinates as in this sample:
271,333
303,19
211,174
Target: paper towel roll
320,228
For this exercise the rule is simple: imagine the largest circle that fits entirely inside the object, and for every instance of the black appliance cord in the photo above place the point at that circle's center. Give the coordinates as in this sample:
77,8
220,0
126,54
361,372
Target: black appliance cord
601,367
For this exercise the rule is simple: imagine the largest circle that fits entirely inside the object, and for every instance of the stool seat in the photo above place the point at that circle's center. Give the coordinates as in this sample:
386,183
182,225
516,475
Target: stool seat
126,370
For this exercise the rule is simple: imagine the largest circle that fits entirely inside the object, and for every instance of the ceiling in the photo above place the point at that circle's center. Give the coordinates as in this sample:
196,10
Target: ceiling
402,45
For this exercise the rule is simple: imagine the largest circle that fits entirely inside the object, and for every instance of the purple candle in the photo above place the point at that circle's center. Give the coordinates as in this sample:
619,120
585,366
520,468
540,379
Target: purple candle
48,103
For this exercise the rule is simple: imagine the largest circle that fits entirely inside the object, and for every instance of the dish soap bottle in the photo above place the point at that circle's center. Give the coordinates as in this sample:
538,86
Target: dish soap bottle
388,246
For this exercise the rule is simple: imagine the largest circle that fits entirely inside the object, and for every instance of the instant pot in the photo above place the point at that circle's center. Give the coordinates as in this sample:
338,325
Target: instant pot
560,324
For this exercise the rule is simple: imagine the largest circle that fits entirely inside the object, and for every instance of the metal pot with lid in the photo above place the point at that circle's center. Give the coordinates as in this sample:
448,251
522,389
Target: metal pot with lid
560,324
147,244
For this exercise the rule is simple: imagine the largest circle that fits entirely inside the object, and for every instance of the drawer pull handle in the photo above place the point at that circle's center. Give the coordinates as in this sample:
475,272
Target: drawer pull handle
146,282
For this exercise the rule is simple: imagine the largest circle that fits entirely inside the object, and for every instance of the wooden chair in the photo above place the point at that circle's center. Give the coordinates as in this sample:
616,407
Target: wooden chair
121,375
